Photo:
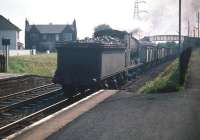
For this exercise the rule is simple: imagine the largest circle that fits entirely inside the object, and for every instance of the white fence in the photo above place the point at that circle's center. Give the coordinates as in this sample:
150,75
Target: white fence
21,52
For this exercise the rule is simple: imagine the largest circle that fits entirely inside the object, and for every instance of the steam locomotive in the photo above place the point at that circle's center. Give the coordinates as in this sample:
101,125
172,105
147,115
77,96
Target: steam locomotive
105,61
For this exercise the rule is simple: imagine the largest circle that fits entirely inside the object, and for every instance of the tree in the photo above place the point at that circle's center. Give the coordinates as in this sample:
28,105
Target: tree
102,27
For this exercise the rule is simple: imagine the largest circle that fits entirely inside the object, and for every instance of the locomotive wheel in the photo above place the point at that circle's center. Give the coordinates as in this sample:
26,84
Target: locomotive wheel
119,81
115,83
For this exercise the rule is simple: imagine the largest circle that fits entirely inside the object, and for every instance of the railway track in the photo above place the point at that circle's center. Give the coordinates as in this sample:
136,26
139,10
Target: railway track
22,104
13,100
20,83
18,117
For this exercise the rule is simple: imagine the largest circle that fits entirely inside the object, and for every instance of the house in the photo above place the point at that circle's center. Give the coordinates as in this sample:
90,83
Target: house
11,32
44,37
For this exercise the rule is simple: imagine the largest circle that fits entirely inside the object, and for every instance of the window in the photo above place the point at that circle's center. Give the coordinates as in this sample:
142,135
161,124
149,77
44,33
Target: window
44,37
67,36
57,37
34,36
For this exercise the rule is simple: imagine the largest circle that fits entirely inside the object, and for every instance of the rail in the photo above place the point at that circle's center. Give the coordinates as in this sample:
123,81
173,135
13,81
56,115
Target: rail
17,99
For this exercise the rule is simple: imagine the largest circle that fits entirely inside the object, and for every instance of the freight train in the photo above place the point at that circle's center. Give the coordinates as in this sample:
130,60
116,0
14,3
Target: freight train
105,61
191,42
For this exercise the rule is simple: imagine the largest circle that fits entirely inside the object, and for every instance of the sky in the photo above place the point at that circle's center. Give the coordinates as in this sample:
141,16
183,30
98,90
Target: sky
162,16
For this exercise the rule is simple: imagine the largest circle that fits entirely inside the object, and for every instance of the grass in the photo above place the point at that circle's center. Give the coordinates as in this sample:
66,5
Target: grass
167,81
42,64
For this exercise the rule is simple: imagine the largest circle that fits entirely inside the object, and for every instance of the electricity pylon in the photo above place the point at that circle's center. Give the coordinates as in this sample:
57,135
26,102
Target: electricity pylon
137,10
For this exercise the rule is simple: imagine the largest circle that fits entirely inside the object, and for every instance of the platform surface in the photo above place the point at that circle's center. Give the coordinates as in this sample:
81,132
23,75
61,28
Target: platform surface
126,116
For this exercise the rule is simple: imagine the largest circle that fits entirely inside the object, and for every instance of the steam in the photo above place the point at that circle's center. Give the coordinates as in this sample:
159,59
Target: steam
162,17
191,7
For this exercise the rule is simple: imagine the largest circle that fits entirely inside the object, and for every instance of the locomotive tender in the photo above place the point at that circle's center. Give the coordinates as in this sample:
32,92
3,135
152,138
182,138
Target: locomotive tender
100,64
82,66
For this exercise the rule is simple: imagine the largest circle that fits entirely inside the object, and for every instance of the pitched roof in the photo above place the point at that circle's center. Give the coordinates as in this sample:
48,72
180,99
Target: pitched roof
52,28
5,24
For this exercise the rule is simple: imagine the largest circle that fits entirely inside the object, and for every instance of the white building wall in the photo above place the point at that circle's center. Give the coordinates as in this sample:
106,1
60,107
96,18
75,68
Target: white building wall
9,34
20,52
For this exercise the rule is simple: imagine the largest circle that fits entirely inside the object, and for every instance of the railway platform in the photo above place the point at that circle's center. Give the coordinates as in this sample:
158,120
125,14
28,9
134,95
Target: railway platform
120,115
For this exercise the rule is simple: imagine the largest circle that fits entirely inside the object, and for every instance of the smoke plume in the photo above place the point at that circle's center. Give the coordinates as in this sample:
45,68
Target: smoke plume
162,16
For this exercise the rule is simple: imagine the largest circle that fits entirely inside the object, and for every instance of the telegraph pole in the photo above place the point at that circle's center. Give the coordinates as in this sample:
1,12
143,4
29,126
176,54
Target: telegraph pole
179,26
198,16
179,42
188,28
194,32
